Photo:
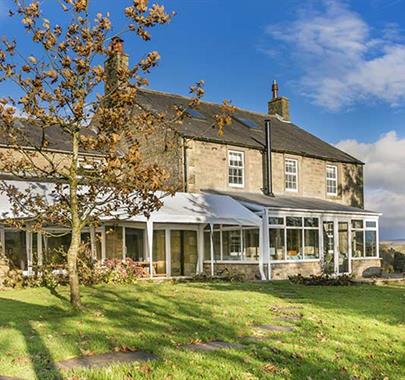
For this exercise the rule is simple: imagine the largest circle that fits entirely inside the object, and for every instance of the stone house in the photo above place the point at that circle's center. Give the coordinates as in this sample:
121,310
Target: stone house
266,199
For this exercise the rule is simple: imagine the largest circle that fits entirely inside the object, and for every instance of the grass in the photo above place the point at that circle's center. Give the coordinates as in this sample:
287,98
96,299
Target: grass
346,332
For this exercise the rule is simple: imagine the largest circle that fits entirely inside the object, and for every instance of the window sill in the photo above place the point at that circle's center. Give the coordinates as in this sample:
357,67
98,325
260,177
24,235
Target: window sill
294,261
367,258
232,262
236,186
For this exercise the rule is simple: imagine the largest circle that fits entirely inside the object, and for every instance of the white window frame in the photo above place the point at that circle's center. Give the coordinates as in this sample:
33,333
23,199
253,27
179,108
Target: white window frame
295,161
241,257
302,228
242,154
363,231
335,180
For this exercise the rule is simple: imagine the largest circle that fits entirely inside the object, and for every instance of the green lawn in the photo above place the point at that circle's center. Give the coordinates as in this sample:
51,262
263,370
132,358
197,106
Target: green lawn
346,332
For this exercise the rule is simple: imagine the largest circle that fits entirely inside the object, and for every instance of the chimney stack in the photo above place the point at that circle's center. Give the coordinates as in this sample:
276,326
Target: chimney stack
279,104
116,65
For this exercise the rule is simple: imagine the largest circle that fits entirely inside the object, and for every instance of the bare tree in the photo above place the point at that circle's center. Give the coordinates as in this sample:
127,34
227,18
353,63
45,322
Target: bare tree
60,91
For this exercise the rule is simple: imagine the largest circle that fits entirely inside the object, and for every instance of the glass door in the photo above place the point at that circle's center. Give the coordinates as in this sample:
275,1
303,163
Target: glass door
183,252
329,247
159,253
343,248
336,247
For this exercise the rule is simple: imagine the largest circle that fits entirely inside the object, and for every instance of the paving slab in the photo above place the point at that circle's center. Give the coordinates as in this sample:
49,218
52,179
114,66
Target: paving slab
275,328
105,360
9,378
213,346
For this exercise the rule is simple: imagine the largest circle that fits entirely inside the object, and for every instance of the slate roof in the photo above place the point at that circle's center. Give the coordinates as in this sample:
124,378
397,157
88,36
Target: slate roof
286,137
33,135
293,203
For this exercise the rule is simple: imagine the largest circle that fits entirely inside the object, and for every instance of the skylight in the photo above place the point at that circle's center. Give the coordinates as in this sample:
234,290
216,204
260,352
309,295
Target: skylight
195,114
248,122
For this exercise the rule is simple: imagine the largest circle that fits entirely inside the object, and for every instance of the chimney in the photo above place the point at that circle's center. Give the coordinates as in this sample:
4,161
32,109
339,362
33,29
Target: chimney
115,65
268,185
279,104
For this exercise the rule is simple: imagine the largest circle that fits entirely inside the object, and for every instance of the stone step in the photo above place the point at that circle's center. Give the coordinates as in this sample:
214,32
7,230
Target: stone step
105,360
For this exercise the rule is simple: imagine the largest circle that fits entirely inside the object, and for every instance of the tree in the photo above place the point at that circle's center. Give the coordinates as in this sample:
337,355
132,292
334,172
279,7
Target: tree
59,87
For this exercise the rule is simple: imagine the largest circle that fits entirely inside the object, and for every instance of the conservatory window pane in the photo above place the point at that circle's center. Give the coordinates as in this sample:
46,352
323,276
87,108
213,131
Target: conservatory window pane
217,245
311,248
357,243
231,242
277,246
371,243
251,244
294,244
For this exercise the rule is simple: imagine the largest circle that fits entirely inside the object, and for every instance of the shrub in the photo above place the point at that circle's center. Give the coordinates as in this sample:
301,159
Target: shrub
322,280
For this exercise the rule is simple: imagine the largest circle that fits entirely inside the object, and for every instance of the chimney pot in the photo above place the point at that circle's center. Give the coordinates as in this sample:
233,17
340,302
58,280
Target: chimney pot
274,89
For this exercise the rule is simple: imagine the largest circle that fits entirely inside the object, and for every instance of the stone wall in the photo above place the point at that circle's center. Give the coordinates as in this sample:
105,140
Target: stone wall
359,266
208,169
281,271
250,271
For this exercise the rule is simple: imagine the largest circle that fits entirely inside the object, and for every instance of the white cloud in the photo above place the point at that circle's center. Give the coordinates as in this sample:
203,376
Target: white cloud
384,178
341,61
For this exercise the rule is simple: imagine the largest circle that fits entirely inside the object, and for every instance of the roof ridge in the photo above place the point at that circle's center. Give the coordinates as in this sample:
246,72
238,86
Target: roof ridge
209,102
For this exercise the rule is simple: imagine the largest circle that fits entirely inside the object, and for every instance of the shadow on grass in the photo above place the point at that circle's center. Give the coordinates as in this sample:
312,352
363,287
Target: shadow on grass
383,303
157,319
24,317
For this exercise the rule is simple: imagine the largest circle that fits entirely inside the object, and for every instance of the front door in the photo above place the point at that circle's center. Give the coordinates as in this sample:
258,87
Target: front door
336,247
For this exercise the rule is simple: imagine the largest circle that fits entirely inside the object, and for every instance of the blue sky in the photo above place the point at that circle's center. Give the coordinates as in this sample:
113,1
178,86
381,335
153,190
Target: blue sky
341,64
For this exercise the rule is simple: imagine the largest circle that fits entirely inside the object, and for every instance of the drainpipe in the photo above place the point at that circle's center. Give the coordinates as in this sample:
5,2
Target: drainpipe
267,241
268,188
261,249
185,166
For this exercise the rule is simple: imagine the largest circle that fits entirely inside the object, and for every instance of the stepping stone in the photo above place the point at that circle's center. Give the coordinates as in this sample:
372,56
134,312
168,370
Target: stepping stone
9,378
287,308
289,318
213,346
253,339
105,360
275,328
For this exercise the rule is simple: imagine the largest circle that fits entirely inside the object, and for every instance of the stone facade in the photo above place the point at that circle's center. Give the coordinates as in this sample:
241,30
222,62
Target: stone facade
207,168
279,106
249,271
281,271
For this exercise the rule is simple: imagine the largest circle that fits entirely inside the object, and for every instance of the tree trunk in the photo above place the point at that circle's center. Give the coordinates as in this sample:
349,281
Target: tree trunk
72,268
73,251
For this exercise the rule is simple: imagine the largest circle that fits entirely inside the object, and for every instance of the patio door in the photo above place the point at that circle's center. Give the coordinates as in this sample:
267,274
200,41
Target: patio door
336,247
183,252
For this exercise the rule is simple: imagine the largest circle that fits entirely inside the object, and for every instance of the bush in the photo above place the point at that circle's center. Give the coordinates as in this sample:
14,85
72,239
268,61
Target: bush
91,272
322,280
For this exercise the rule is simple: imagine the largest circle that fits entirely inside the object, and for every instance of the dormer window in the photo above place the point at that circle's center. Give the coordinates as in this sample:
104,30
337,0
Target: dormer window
331,180
236,169
291,175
